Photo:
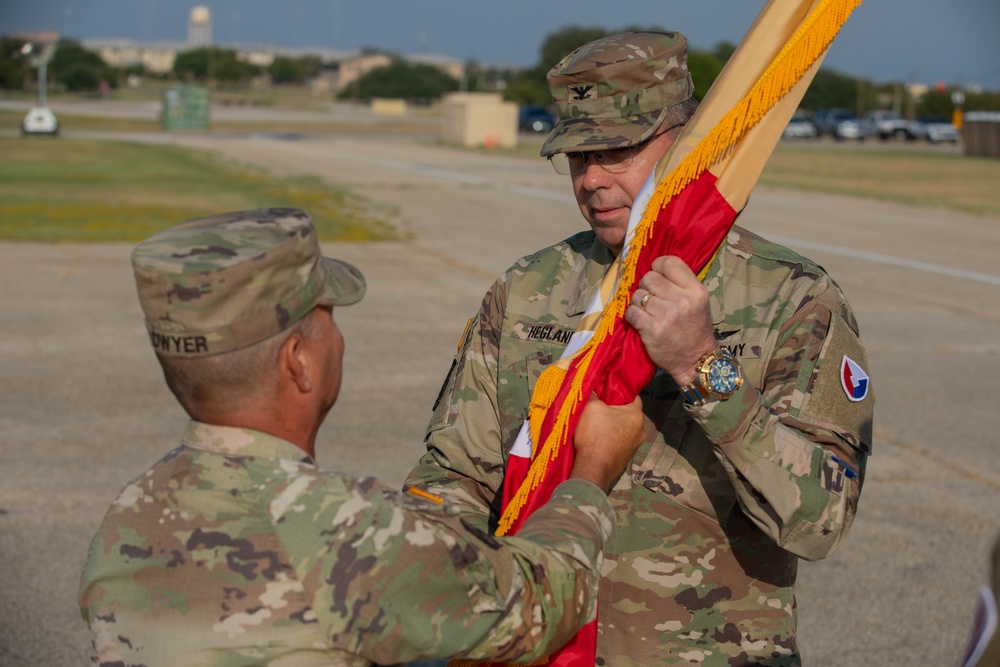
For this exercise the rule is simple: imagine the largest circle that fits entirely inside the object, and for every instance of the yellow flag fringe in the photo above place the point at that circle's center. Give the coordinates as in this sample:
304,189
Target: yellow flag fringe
805,46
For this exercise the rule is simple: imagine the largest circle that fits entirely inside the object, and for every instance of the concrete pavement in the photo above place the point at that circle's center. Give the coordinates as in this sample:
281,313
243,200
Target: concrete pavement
84,408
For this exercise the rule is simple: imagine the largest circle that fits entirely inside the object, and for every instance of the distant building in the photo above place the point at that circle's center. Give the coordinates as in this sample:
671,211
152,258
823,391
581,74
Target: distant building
455,68
155,57
340,68
340,74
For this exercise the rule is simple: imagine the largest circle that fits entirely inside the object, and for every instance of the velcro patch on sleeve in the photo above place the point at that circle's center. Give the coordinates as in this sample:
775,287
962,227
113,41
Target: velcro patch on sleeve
840,397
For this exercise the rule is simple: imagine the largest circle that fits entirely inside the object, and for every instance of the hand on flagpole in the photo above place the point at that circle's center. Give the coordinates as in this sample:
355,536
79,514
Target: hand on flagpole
605,440
670,312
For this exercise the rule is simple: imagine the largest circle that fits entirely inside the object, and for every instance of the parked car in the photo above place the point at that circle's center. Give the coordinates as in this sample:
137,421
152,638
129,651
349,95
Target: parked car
842,124
800,127
890,125
40,120
937,129
535,118
826,120
854,128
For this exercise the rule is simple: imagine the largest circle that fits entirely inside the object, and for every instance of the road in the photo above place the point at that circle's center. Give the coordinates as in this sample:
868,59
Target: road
84,408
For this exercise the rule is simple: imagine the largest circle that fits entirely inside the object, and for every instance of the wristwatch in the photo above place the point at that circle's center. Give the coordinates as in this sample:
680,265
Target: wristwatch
717,376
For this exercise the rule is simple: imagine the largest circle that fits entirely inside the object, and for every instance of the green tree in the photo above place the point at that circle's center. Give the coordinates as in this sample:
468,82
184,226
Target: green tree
831,89
79,78
192,64
526,87
724,51
230,69
294,70
310,66
13,67
982,101
79,69
213,63
402,80
485,78
285,70
530,86
936,103
704,68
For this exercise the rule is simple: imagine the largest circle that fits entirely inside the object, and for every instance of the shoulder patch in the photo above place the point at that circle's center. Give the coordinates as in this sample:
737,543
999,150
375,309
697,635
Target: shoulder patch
840,395
854,379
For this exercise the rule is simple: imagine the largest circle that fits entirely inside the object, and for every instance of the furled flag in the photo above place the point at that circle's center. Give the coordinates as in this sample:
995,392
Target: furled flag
686,208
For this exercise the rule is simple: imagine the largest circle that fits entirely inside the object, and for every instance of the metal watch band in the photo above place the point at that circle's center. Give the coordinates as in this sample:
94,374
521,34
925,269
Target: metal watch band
692,395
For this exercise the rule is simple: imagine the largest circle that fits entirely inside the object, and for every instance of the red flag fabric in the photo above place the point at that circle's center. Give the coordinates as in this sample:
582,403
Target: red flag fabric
625,368
621,366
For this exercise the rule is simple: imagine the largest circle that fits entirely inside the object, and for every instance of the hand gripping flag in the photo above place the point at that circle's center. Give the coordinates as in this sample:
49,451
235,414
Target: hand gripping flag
686,208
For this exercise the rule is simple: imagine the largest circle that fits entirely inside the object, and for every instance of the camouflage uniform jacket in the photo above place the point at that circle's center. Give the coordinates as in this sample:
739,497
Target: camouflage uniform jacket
721,500
235,549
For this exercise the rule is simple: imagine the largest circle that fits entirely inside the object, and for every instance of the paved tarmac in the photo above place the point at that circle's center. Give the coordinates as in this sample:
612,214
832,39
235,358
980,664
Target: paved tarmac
83,407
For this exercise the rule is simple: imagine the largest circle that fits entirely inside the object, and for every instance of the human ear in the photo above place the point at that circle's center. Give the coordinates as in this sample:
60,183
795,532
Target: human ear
294,362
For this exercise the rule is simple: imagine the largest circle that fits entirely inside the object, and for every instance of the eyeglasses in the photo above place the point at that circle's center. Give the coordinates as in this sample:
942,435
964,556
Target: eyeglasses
611,160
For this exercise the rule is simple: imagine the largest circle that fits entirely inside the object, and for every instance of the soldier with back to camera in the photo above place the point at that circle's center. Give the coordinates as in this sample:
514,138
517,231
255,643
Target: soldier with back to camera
236,549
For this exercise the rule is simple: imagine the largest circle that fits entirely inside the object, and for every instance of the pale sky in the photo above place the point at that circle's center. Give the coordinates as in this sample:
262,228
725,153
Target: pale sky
919,41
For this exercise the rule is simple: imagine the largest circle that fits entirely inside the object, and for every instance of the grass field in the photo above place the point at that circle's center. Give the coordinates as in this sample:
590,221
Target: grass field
906,174
84,190
81,123
55,190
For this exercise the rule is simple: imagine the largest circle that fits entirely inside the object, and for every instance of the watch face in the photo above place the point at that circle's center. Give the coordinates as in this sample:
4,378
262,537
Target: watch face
723,377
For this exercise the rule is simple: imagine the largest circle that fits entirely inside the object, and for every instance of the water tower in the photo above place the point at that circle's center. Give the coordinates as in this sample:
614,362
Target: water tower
200,26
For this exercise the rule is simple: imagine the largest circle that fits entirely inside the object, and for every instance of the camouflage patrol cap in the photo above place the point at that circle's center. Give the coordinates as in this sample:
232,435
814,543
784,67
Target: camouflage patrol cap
224,282
616,91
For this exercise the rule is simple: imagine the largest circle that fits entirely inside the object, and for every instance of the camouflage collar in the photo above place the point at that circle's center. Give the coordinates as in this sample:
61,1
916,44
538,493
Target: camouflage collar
232,441
590,278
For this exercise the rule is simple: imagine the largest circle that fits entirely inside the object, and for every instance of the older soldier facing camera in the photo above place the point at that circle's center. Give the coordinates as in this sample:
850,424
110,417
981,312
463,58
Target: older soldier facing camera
758,421
235,549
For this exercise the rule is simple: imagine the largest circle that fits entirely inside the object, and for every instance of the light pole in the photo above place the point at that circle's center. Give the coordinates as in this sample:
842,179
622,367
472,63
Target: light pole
39,58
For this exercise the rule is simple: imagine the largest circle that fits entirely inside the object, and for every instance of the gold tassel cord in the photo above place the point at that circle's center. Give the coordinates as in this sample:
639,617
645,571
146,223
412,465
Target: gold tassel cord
806,45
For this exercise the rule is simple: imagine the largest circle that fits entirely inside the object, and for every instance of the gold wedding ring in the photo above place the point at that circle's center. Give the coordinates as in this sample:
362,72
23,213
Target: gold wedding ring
643,300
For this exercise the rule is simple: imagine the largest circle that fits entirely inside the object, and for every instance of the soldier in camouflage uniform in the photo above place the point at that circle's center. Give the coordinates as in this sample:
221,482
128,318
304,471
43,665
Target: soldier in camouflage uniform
723,498
235,549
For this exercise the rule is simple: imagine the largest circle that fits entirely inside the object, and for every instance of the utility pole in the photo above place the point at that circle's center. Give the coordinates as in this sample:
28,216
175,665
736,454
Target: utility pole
910,102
